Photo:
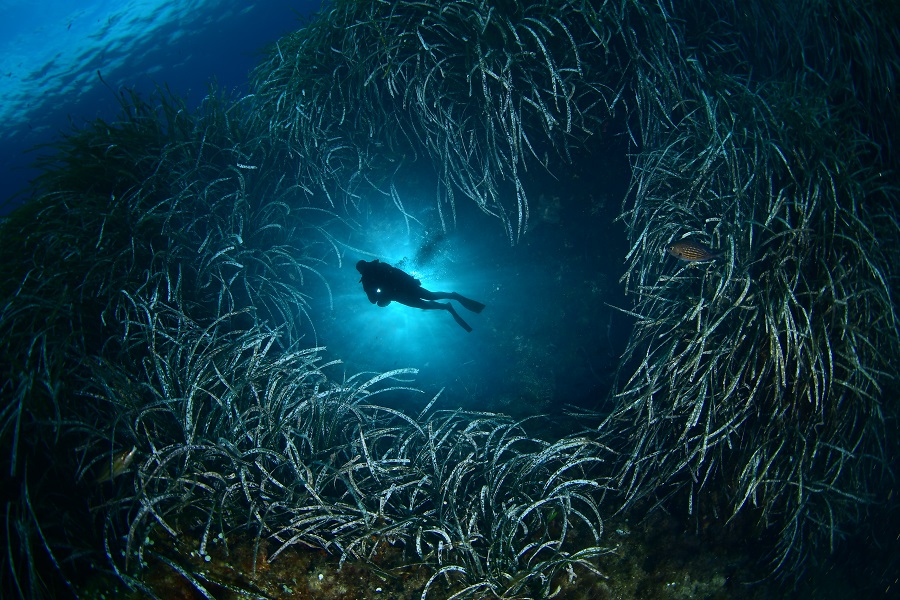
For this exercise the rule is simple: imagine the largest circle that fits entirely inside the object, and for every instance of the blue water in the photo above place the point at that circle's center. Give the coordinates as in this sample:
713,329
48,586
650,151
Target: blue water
548,336
51,53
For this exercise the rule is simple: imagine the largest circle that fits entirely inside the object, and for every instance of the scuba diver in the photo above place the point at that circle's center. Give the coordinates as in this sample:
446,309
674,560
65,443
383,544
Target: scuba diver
384,283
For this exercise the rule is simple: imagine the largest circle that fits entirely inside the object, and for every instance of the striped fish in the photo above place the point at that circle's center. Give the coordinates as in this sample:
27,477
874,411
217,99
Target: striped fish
692,251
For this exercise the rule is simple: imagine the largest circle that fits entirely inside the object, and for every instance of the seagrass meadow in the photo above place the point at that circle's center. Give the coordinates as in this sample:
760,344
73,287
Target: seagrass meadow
197,400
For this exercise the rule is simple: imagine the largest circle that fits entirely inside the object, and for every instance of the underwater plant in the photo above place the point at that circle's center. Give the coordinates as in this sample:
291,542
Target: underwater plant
758,382
116,216
182,398
481,91
163,383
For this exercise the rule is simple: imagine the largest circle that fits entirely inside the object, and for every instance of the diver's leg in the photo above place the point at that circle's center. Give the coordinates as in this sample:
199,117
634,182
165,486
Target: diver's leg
472,305
431,305
429,295
421,303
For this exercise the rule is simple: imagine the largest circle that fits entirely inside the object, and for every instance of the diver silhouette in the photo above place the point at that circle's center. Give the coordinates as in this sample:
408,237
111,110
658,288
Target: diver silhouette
384,283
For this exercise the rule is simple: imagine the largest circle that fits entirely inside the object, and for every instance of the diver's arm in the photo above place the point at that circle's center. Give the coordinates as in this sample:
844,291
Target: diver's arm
369,288
375,293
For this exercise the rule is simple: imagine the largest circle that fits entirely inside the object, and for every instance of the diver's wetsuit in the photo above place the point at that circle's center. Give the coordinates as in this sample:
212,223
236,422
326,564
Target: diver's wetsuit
384,283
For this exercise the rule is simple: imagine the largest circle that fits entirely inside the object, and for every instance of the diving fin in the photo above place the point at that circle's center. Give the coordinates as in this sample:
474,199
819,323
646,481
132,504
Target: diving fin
458,318
475,307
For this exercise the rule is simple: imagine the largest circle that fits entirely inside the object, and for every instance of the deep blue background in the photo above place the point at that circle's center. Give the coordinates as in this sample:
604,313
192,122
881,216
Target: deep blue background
223,46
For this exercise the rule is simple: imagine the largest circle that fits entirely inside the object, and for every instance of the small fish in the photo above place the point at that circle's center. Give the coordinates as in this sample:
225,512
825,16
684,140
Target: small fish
692,251
120,463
